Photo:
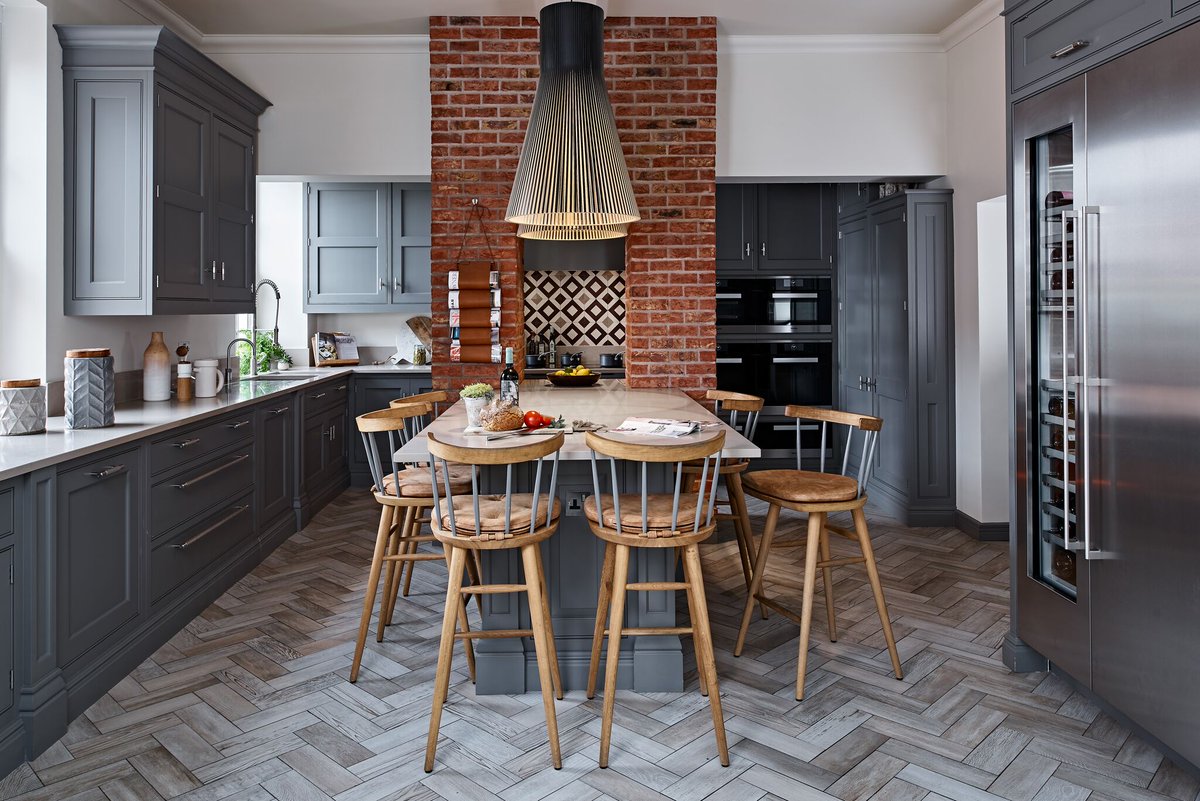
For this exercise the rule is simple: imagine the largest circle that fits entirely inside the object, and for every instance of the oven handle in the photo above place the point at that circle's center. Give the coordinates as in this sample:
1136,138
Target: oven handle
797,360
796,295
729,296
792,427
731,360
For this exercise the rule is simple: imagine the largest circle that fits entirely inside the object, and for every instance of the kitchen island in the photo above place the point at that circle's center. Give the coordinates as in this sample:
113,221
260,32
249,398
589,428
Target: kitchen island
573,556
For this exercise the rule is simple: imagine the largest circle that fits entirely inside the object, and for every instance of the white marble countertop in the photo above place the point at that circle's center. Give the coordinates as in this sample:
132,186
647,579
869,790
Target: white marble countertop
24,454
608,403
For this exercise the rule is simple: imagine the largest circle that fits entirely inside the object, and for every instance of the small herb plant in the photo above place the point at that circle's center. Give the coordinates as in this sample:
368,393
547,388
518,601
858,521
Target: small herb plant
477,391
268,352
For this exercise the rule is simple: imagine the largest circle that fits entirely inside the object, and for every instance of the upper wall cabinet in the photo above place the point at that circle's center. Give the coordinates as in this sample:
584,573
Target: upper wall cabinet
775,229
367,247
160,175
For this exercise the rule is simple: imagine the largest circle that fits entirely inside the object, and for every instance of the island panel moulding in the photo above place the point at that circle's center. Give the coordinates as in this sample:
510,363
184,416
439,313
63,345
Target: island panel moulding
662,82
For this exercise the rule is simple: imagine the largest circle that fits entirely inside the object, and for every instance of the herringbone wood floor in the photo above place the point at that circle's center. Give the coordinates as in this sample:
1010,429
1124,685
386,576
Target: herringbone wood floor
251,701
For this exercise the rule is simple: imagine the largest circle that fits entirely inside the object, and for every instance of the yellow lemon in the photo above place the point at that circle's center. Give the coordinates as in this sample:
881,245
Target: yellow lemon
583,371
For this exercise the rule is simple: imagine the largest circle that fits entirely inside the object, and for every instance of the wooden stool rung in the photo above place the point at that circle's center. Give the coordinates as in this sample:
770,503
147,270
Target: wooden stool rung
654,631
414,557
778,607
493,634
494,589
841,532
842,560
656,585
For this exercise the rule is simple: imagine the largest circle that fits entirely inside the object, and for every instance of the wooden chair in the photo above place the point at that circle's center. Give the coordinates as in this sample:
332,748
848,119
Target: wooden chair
470,522
819,494
404,493
742,417
681,519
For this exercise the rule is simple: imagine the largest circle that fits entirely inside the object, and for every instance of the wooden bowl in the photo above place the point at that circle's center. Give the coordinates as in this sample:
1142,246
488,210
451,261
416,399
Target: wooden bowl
574,380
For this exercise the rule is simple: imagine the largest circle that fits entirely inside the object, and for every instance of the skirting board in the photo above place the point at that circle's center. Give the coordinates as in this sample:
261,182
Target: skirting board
984,532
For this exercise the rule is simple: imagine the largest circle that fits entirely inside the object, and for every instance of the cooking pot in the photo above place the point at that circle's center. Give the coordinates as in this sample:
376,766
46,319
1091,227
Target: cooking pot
533,361
612,359
570,359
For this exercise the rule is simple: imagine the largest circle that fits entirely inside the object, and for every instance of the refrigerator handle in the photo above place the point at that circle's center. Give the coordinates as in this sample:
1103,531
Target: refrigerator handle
1066,384
1083,277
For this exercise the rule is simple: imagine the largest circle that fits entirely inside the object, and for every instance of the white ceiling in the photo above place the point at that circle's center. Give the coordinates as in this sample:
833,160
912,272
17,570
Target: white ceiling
736,17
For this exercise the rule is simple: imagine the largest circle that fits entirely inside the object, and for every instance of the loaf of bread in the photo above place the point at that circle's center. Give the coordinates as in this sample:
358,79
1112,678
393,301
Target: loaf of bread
501,415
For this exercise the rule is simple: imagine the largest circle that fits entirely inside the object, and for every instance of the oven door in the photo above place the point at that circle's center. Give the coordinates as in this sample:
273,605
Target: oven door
741,304
799,373
738,366
800,306
776,437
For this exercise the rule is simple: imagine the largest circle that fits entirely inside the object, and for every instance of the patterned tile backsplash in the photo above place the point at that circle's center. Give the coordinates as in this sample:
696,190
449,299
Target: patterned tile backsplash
583,307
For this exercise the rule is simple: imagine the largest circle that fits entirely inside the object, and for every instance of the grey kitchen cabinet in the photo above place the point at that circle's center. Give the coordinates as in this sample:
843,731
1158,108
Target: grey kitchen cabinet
275,441
367,247
159,173
100,547
896,347
324,451
852,199
775,229
370,394
12,740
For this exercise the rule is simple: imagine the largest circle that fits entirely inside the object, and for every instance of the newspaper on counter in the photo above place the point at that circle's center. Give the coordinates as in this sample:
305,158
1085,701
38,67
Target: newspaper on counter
660,428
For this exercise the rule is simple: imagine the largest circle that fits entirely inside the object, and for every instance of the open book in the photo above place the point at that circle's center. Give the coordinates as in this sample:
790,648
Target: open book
662,428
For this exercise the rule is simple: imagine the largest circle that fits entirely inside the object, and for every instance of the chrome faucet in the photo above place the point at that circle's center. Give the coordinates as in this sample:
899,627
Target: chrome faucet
229,359
278,299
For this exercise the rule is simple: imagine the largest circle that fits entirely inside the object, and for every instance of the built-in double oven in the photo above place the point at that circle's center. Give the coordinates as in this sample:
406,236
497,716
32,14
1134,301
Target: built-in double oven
797,305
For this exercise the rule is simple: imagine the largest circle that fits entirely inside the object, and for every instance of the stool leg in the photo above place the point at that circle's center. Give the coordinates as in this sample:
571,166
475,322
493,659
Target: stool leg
381,544
696,643
410,567
816,522
463,624
606,577
864,542
395,568
441,681
541,636
827,577
552,647
760,570
703,635
474,573
615,618
741,524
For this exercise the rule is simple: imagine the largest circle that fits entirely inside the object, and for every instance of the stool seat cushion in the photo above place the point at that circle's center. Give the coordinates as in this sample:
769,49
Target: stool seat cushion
414,482
800,486
658,512
491,514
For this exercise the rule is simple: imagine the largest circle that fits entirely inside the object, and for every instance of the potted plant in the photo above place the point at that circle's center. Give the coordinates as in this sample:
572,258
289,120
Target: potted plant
475,397
270,355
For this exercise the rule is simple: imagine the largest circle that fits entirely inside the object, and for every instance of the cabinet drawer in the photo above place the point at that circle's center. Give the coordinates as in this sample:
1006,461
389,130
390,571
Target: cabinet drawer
325,396
190,492
1178,6
183,446
179,558
8,520
1060,33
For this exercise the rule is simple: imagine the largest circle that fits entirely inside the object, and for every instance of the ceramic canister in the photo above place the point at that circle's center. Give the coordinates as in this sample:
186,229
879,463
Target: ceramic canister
90,389
22,407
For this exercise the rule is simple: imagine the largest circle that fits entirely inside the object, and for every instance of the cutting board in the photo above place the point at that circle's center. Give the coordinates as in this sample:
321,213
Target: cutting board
423,328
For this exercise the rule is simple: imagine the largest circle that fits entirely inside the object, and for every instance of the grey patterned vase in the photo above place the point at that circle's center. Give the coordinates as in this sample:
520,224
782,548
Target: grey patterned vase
91,388
22,408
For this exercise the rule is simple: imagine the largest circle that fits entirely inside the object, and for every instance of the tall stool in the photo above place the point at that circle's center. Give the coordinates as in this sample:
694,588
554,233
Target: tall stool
470,522
742,417
681,519
404,493
819,494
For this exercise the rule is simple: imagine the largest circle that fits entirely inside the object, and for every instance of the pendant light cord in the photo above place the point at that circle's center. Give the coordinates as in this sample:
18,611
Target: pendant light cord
477,214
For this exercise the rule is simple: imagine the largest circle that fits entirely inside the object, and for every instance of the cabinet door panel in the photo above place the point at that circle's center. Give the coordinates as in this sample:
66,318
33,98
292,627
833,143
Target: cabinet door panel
337,454
7,612
889,242
276,461
795,226
856,300
347,245
233,178
312,446
182,204
100,543
411,240
737,239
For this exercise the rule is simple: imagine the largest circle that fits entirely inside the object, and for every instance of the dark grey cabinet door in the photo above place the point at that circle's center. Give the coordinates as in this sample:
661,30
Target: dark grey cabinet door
853,198
737,234
347,246
889,244
371,394
100,544
184,265
8,610
275,440
312,451
857,316
233,212
412,220
795,227
337,445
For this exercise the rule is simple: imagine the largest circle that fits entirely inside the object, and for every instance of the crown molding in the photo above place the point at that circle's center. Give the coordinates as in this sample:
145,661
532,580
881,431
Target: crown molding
963,28
840,43
415,44
158,13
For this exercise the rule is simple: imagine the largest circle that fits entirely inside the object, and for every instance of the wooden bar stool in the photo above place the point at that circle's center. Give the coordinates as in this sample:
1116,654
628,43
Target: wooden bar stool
681,519
471,522
742,417
404,493
819,494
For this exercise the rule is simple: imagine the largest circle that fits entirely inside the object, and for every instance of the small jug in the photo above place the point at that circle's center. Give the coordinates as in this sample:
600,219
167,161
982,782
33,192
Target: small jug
209,380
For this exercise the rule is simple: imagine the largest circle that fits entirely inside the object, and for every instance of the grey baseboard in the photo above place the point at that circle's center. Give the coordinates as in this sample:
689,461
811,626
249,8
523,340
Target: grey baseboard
1019,657
984,532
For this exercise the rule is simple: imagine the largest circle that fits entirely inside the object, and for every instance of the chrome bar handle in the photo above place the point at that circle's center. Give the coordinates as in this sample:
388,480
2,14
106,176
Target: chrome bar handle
111,470
1067,50
217,526
764,248
1066,381
747,248
1083,257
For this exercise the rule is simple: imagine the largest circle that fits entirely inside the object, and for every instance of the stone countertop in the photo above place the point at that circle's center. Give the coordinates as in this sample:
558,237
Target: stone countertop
24,454
607,403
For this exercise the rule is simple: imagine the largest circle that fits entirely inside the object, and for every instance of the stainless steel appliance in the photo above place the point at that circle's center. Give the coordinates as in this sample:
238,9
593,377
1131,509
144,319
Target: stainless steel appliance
1106,340
798,305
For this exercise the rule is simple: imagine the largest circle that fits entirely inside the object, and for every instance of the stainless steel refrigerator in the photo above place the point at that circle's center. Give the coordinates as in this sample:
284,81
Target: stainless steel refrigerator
1106,343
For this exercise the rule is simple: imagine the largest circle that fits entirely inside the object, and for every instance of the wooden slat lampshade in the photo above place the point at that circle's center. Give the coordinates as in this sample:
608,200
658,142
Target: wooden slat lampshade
560,234
572,175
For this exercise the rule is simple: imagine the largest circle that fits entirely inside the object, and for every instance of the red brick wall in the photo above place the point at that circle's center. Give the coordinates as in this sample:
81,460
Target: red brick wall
662,80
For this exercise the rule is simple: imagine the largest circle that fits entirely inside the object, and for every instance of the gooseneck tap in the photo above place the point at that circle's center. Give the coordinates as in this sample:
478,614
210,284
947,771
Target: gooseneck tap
278,300
229,359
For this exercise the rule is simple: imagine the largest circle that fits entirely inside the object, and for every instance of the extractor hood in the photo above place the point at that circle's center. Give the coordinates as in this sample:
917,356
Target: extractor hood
598,254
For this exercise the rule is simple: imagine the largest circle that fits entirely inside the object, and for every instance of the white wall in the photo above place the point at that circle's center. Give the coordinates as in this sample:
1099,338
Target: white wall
976,171
995,386
831,114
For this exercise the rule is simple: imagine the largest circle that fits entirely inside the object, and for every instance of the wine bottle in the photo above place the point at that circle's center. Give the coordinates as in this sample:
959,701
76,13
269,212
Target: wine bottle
509,379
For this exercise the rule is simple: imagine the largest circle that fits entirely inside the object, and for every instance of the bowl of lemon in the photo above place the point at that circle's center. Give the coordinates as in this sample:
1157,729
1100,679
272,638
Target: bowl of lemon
573,377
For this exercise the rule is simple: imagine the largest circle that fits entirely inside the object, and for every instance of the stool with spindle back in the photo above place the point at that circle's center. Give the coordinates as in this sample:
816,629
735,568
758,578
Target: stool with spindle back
682,520
819,494
403,493
469,522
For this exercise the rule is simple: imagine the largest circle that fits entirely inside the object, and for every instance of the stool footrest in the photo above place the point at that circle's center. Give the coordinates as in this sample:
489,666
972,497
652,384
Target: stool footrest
842,560
493,589
781,609
493,634
414,557
842,532
653,631
649,586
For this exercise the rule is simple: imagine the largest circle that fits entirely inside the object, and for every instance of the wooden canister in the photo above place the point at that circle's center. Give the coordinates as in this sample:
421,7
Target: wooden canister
90,389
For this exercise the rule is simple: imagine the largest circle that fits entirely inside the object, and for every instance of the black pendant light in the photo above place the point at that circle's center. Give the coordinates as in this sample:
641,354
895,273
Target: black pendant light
571,180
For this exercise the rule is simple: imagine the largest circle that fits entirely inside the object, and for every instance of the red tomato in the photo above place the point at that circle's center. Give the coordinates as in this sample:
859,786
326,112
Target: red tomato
548,421
533,420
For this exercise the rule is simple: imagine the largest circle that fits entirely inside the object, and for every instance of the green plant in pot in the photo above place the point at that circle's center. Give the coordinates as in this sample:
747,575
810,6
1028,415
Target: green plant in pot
475,397
269,353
